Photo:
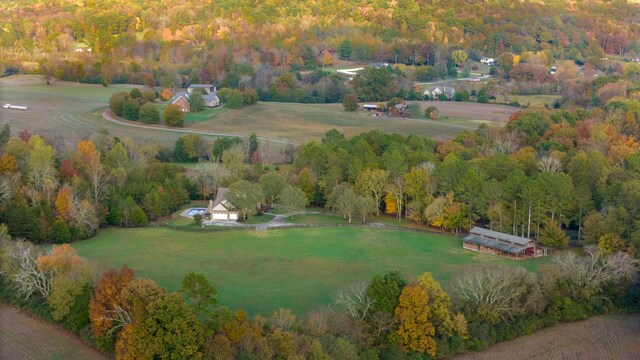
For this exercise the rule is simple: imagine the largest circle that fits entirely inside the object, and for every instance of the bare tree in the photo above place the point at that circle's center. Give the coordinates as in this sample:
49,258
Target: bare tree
356,301
23,271
586,276
496,293
283,319
550,164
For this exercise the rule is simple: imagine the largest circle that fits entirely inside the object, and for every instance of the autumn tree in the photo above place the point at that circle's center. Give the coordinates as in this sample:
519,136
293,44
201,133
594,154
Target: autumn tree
106,308
553,235
90,164
415,328
372,182
459,56
169,329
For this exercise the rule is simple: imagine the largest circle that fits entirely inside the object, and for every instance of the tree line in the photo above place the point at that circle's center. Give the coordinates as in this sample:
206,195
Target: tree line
389,317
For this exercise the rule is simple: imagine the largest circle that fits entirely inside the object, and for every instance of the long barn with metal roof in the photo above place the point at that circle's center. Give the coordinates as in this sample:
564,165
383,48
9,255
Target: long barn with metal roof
497,243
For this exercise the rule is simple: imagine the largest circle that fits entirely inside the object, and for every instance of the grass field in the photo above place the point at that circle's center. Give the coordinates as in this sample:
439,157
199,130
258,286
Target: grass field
300,269
75,110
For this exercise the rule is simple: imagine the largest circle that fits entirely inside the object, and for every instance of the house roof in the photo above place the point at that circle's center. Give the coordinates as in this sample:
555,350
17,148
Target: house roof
478,231
401,106
440,90
494,244
221,199
192,86
180,94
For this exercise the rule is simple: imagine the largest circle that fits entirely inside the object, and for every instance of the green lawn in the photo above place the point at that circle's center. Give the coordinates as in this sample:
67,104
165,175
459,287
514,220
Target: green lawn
315,219
258,219
75,110
300,269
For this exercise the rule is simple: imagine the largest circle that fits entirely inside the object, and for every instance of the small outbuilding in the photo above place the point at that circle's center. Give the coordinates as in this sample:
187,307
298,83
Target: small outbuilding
497,243
399,110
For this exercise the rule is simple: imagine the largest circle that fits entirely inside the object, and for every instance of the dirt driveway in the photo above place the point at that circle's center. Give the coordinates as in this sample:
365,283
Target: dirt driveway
24,338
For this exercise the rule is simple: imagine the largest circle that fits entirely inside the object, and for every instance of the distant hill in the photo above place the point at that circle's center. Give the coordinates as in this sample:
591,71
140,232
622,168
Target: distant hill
207,39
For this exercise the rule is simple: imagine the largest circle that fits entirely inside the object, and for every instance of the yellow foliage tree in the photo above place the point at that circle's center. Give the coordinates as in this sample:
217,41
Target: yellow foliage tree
391,207
415,329
8,164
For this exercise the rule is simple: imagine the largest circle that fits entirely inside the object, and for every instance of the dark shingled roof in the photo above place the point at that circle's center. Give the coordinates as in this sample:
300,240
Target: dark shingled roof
494,244
501,236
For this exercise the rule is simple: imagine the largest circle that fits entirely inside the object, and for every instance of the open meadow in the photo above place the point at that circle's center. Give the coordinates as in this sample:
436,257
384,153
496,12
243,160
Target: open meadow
75,110
300,269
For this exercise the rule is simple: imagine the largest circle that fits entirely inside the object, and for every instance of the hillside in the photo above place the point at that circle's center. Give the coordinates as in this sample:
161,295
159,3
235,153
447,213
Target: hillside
176,41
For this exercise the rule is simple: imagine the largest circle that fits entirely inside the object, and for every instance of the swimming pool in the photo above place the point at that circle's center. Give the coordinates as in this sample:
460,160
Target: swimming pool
196,211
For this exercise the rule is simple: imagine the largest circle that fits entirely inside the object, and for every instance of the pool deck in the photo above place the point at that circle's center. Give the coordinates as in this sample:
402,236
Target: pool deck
277,221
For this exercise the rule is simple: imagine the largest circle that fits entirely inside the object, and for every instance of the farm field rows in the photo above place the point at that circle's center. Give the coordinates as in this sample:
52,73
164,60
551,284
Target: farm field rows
25,338
75,110
601,337
300,269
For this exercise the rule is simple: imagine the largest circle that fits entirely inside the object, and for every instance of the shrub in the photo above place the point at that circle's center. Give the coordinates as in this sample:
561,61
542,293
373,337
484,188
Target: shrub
135,93
116,103
131,109
250,96
432,112
149,114
197,220
173,116
482,97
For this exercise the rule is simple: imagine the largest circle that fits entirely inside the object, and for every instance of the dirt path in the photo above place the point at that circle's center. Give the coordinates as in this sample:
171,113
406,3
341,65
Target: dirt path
602,337
108,115
23,337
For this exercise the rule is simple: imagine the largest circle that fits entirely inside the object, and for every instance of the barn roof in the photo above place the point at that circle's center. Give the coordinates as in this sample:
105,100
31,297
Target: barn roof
478,231
494,244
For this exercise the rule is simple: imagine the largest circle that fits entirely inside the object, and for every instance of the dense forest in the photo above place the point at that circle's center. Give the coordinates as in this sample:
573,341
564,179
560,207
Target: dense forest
252,44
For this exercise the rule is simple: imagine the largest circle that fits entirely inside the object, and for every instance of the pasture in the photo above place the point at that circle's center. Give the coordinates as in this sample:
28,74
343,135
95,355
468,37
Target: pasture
75,110
300,269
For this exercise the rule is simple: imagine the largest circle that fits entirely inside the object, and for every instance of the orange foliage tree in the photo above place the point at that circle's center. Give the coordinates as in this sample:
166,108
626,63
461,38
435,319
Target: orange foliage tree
106,305
64,205
62,260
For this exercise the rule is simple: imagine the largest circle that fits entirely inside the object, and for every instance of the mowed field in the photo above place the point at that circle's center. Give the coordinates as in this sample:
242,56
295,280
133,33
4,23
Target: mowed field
25,338
75,110
601,337
300,269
